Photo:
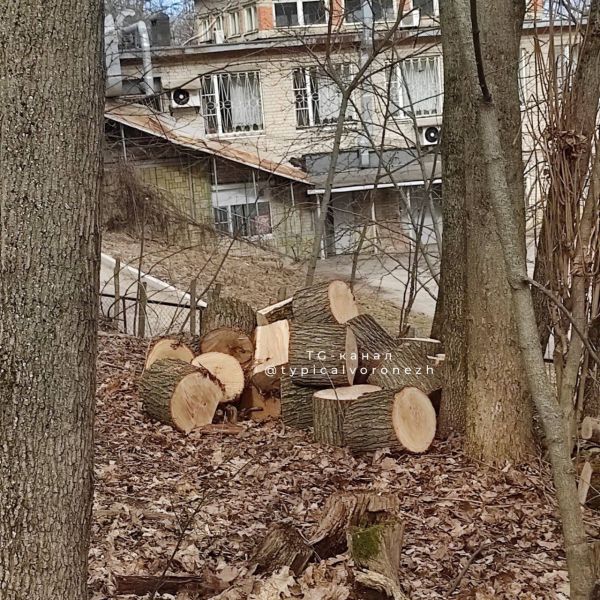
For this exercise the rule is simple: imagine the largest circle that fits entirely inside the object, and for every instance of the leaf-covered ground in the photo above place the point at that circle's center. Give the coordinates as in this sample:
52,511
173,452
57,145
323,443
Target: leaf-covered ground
151,479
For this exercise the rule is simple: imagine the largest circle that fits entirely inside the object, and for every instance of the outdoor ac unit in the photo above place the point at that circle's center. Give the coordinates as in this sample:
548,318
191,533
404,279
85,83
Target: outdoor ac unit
412,19
218,36
430,136
181,98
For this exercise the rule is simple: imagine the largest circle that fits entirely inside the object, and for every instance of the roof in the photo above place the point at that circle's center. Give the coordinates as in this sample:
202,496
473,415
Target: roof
187,135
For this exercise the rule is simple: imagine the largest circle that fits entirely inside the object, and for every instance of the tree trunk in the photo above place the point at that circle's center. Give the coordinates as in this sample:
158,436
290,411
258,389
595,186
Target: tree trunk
51,105
328,302
296,404
228,312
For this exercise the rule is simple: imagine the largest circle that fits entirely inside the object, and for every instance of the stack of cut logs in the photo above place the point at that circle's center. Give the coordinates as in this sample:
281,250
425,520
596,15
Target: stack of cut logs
311,359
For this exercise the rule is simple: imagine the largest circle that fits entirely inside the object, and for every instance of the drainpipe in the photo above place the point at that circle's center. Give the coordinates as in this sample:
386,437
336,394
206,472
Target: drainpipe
366,50
142,31
114,78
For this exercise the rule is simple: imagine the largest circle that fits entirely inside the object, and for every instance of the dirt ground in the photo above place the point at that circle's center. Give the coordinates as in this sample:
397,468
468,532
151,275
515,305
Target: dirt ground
250,273
150,479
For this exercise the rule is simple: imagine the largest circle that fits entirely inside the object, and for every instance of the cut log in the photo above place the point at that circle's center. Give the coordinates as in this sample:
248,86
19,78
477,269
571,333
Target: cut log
259,407
226,369
322,355
271,349
388,419
375,551
590,429
296,404
329,302
587,465
408,366
373,343
283,546
329,408
282,311
229,341
585,480
228,312
168,347
140,585
430,346
343,510
180,394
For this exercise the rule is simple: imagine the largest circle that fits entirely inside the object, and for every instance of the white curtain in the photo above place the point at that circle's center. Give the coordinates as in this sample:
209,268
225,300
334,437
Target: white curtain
421,86
245,104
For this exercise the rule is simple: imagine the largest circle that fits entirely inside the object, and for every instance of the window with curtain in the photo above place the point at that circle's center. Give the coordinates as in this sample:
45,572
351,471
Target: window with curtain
417,86
428,8
231,102
250,20
246,220
383,10
318,98
299,13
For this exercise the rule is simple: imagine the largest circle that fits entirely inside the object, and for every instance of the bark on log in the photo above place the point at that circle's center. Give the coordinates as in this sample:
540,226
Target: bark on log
179,394
328,302
408,366
283,546
282,311
322,355
228,312
589,482
271,351
343,510
375,551
259,407
229,341
168,347
590,429
226,369
329,407
430,346
373,343
400,420
296,404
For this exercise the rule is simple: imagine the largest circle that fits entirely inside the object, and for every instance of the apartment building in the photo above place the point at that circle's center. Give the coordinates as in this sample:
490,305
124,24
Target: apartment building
270,79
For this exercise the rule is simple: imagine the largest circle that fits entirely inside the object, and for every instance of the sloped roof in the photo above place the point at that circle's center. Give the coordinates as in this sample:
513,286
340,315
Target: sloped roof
186,135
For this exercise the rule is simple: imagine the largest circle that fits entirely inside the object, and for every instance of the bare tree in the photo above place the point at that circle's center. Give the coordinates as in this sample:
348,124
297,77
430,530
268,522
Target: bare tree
51,102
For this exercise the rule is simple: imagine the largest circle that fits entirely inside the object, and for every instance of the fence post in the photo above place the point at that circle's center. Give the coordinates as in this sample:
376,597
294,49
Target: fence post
117,286
193,307
142,311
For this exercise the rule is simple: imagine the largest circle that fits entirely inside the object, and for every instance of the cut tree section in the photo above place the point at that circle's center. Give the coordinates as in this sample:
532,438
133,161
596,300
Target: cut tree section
430,346
329,302
228,312
270,355
296,404
414,420
329,408
260,407
230,341
373,340
283,546
180,394
282,311
164,348
226,369
322,355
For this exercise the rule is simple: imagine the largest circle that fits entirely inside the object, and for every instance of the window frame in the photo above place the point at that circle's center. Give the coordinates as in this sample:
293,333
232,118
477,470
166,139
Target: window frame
300,12
234,23
253,26
384,19
229,208
214,77
436,9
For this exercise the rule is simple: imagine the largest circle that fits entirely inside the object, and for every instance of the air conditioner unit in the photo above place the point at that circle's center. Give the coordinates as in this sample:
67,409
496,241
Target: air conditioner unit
181,98
430,136
412,19
218,36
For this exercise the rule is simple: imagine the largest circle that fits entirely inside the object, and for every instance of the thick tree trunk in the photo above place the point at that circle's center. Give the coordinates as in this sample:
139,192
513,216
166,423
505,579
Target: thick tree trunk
51,104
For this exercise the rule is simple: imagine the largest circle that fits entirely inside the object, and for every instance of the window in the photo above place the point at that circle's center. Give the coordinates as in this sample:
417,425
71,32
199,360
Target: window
231,102
250,21
383,10
428,8
204,30
565,60
246,220
318,98
526,78
234,23
299,12
417,86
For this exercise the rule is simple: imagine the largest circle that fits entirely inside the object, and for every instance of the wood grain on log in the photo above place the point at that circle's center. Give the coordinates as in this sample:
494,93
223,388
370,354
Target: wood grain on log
328,302
296,404
271,352
322,355
228,312
168,347
282,311
226,369
229,341
260,407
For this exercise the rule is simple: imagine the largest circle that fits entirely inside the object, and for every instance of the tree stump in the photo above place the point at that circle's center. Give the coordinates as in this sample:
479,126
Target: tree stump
229,341
179,394
282,311
226,369
329,408
344,510
168,347
408,367
296,404
375,551
387,419
322,355
283,546
329,302
271,351
260,407
228,312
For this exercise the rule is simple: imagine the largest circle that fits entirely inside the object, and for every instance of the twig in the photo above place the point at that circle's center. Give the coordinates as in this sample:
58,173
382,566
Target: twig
483,546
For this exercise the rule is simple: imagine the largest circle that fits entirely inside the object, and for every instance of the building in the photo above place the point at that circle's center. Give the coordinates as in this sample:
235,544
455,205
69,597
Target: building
269,79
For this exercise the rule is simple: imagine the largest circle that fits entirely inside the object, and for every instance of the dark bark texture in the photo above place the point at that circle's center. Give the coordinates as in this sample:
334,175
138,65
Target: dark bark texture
51,104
